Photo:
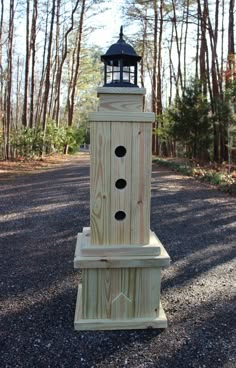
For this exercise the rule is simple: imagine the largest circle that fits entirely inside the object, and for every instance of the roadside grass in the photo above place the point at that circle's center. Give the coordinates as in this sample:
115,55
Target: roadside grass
219,177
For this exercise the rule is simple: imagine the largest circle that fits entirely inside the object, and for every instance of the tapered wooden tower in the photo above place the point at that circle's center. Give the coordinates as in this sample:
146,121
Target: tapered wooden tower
120,258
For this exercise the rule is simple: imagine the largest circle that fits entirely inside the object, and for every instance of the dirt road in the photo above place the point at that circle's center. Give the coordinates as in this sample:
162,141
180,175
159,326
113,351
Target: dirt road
40,215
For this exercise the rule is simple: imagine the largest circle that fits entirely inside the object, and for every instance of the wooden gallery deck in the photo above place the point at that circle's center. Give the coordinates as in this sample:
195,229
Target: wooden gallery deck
120,258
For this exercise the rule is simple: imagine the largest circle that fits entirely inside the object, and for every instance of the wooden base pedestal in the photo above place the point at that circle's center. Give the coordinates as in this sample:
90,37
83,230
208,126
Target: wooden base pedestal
121,290
82,324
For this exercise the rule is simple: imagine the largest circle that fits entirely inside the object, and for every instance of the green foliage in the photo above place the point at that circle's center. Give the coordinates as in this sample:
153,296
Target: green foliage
190,123
30,143
89,78
231,90
26,142
182,168
232,136
214,178
163,130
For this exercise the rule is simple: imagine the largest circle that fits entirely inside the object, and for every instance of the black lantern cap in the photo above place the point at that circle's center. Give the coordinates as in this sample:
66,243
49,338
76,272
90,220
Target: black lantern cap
120,64
120,48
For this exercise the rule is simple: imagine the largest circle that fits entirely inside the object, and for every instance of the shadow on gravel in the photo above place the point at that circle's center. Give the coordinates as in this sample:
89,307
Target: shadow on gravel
198,265
210,337
193,220
41,334
40,216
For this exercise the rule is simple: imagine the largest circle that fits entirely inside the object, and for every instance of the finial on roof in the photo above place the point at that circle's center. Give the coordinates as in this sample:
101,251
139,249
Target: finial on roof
121,32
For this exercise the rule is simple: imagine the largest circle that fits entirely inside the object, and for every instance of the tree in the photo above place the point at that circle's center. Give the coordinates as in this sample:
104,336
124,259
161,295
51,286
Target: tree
190,123
8,89
48,67
75,68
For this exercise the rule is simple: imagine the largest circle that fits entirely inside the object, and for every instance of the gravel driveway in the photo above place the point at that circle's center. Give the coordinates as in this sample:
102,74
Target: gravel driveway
40,215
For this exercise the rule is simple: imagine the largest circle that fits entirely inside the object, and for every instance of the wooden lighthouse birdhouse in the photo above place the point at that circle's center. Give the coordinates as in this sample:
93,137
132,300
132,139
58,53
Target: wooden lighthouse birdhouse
120,257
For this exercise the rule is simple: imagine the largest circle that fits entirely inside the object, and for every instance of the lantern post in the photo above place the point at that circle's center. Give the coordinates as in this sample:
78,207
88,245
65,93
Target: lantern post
120,257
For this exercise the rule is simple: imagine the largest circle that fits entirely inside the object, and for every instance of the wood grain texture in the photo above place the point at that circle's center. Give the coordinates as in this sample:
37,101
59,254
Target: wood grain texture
108,116
127,103
121,91
124,261
141,183
132,324
147,292
121,293
90,289
87,249
119,261
100,183
120,169
82,324
121,307
79,306
104,293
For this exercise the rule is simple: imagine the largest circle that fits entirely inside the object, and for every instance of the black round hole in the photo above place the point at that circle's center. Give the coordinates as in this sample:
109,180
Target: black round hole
120,183
120,215
120,151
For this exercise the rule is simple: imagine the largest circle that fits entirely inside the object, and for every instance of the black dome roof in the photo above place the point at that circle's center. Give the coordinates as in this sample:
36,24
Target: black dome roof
120,48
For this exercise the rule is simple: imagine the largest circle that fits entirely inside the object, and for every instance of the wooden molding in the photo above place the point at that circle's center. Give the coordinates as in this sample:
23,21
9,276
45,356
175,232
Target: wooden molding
121,90
122,103
119,261
136,117
87,249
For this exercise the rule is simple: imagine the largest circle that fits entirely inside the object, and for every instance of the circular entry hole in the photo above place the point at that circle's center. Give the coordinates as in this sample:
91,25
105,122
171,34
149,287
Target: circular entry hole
120,183
120,215
120,151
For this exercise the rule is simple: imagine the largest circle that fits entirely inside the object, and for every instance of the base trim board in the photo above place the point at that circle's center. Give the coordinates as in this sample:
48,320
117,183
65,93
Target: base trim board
81,324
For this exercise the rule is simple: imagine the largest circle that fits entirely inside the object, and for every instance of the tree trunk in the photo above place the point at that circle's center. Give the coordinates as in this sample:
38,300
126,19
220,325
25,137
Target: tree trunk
48,67
56,113
159,62
171,69
203,47
18,88
154,79
39,107
1,67
179,78
9,81
197,48
222,42
57,63
27,63
185,44
33,50
163,147
231,49
71,102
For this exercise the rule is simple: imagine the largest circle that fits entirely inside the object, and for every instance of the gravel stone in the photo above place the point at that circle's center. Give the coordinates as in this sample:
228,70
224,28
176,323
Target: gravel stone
40,215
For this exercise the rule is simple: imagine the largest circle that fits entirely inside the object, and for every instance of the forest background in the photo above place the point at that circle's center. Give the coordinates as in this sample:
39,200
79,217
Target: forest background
50,68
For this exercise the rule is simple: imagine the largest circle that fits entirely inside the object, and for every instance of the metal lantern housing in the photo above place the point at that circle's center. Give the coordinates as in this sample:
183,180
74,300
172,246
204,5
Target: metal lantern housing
120,64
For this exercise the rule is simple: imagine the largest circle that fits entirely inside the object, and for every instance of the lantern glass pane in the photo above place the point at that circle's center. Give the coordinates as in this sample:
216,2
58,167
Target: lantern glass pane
116,74
109,74
126,74
132,74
